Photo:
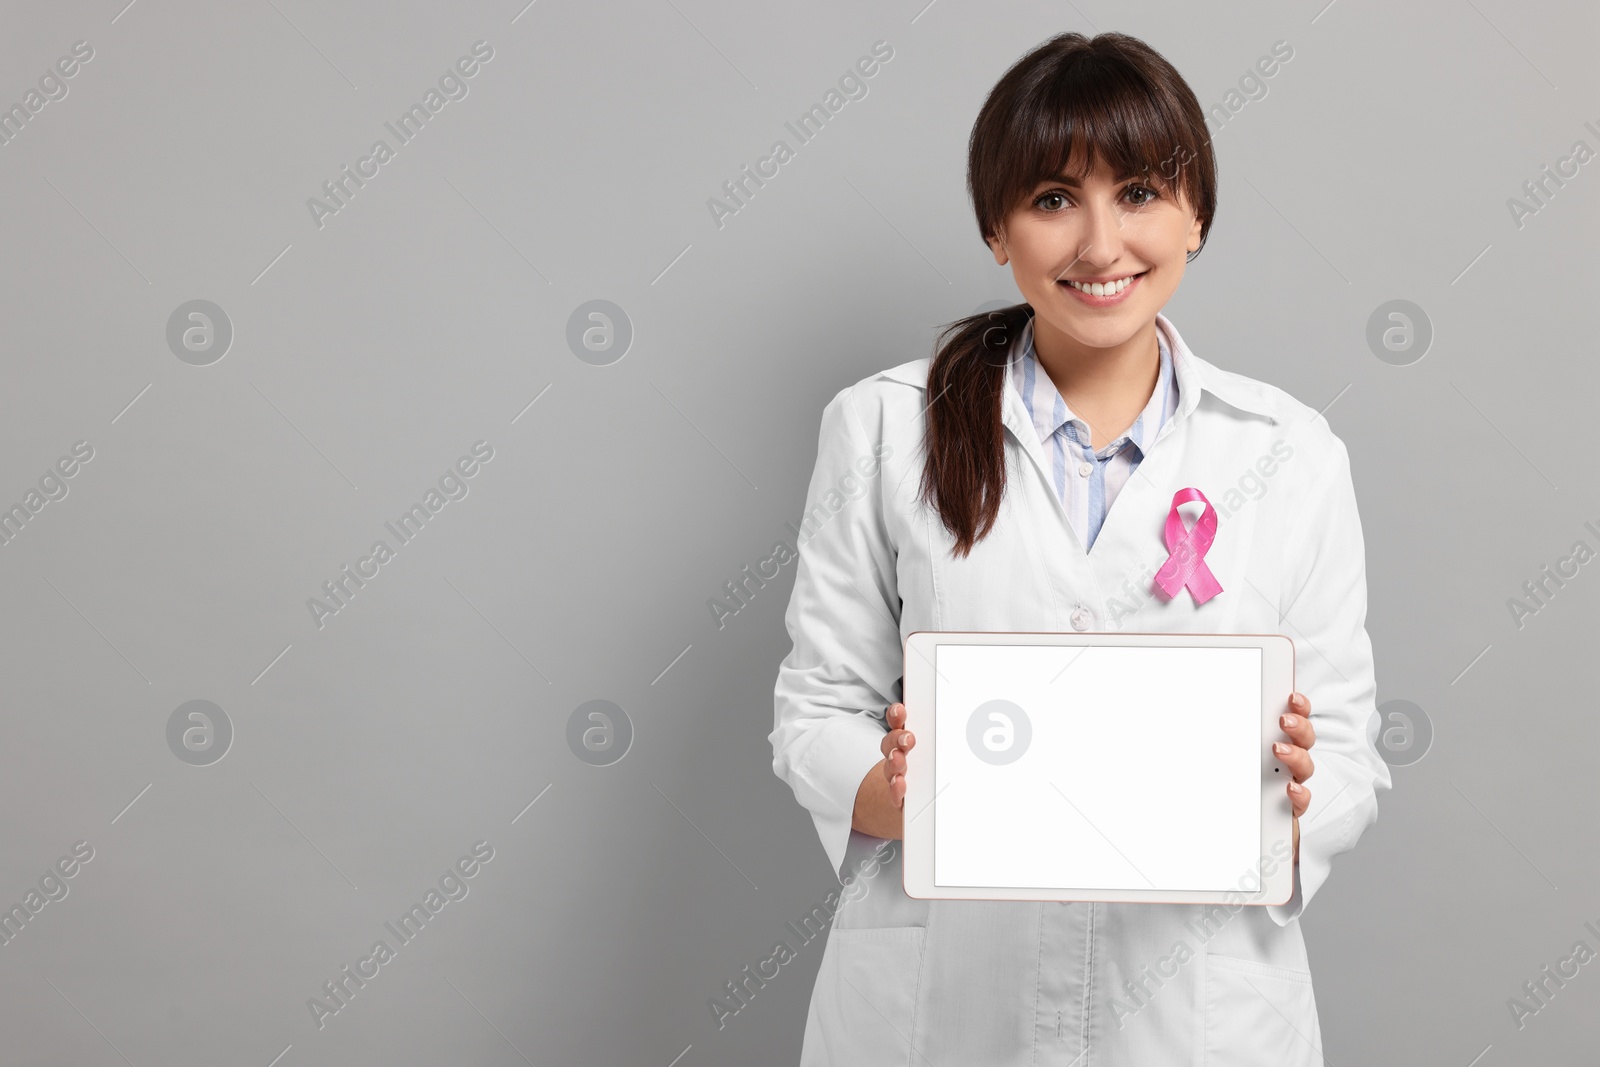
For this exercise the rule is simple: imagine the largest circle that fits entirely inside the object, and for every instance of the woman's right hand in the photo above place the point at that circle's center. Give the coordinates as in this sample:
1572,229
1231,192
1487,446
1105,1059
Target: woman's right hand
880,799
896,744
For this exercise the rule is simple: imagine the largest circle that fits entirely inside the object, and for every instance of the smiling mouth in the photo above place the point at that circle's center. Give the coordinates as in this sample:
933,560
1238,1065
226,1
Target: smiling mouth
1111,288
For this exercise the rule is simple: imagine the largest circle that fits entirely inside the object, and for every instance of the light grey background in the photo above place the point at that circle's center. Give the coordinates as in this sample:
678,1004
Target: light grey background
369,354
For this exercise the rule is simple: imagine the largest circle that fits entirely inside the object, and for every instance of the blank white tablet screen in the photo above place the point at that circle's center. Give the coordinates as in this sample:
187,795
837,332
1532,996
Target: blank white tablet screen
1128,767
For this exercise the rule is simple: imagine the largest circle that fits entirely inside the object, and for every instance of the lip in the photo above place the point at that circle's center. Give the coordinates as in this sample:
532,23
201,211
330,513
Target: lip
1104,301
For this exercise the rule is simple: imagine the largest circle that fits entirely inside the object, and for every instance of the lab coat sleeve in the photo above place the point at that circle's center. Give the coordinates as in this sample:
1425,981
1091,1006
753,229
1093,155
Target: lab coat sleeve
1324,609
845,666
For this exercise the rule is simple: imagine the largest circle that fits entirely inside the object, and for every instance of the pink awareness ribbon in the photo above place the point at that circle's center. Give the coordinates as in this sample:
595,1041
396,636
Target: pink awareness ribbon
1186,564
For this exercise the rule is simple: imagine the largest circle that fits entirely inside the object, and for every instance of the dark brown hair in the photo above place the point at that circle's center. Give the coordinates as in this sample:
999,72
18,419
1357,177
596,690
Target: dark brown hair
1109,98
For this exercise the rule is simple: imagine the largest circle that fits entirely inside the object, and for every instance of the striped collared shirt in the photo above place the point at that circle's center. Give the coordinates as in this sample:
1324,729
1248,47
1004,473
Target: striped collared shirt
1087,481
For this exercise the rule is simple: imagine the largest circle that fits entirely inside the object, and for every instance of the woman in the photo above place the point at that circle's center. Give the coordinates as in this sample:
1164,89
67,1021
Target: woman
988,481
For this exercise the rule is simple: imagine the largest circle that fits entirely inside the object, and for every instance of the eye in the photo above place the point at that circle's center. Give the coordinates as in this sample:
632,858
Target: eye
1057,200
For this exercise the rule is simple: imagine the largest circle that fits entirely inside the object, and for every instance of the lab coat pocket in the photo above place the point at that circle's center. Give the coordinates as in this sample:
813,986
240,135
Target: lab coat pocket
867,994
1258,1014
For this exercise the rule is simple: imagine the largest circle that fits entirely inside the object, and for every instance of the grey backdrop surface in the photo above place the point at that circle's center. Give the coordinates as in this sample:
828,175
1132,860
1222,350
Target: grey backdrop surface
373,347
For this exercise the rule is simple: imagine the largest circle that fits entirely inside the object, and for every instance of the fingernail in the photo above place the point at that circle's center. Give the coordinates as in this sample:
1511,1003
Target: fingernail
1296,788
1280,748
905,742
1291,721
1299,700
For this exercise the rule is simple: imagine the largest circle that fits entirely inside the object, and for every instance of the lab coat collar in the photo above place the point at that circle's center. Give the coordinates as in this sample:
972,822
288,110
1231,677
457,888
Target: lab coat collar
1195,376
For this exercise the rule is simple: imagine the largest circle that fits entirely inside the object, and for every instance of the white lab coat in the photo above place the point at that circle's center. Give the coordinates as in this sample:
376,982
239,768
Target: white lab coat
956,983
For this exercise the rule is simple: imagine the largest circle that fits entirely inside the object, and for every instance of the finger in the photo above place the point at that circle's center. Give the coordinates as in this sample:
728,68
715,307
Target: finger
897,790
1297,759
895,716
895,764
897,745
897,741
1296,722
1299,798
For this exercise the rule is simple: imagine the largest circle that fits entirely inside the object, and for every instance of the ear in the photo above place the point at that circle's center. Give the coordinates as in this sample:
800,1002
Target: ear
998,247
1194,234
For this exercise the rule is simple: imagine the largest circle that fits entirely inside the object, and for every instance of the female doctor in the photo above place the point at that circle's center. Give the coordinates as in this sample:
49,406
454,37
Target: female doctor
1021,480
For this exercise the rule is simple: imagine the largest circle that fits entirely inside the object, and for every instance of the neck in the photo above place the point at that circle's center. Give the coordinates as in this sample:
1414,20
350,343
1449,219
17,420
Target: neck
1106,387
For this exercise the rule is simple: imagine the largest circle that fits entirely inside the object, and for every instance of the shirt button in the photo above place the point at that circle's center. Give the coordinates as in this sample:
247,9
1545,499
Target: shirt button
1081,618
1085,469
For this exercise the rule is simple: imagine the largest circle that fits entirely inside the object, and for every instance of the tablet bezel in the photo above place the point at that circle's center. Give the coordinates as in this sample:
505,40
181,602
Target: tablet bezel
921,810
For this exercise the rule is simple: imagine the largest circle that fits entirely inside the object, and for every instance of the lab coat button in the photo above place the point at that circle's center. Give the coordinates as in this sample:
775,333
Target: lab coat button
1081,618
1085,469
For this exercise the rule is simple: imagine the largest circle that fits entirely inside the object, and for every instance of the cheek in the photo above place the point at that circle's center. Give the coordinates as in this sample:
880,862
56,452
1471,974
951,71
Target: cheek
1022,260
1165,281
1039,240
1184,236
1043,255
1167,248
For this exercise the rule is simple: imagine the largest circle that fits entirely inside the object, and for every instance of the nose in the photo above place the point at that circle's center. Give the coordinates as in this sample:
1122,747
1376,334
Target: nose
1102,234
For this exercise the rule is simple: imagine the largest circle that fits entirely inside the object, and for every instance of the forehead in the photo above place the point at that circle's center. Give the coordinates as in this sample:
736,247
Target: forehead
1095,163
1101,174
1109,168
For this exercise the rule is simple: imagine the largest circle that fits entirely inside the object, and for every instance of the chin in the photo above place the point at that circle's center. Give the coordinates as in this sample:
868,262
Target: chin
1097,329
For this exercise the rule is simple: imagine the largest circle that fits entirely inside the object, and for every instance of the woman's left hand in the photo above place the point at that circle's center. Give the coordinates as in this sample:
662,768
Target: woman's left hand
1295,756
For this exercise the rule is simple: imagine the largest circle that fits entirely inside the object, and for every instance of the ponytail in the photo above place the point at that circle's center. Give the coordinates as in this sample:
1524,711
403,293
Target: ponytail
964,477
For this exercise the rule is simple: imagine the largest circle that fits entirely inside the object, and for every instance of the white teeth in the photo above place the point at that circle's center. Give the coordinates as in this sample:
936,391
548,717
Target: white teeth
1103,289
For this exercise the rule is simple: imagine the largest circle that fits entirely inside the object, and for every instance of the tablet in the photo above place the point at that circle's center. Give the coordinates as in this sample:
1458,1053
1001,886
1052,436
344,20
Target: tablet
1098,766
